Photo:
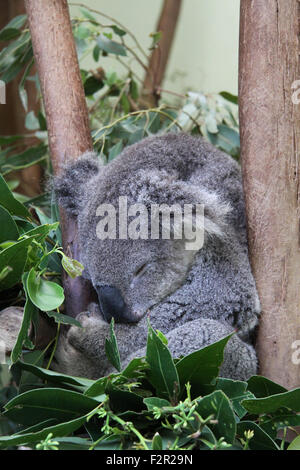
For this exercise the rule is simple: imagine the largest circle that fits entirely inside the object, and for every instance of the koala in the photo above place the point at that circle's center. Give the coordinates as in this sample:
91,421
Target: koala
194,296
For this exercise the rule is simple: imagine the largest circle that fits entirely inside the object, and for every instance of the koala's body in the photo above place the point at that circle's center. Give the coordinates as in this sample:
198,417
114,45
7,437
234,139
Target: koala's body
195,297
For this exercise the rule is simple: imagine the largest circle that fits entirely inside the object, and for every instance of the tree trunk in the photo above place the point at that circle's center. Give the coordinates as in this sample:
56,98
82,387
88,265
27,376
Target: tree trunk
159,58
270,141
66,113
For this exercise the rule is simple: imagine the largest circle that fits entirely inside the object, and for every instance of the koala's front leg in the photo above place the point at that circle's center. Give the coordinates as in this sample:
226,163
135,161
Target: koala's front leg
81,351
240,360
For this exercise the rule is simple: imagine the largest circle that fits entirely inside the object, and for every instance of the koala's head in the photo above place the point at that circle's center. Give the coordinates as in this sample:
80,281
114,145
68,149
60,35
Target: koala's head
133,268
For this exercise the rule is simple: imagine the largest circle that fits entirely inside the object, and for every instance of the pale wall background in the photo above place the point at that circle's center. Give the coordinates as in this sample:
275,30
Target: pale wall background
205,51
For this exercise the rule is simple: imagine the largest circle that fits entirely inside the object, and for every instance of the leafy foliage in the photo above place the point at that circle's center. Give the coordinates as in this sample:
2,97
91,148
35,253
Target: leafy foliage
148,405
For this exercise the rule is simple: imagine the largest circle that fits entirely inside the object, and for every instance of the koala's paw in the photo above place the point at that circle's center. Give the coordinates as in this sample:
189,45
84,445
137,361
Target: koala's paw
240,360
79,351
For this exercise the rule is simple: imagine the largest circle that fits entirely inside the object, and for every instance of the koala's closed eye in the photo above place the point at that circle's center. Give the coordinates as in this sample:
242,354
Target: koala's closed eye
141,269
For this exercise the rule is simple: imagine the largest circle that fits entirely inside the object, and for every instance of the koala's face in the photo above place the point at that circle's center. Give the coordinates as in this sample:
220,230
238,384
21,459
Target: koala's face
131,276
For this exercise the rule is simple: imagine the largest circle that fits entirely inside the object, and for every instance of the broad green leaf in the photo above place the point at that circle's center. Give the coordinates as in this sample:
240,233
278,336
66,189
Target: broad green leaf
295,445
41,232
59,430
10,139
260,440
201,368
22,91
9,229
97,388
157,443
88,15
272,403
262,387
25,159
92,85
162,373
218,405
11,30
115,151
31,121
109,46
111,348
237,392
229,97
14,257
122,401
118,31
65,319
153,402
52,376
282,420
8,201
46,295
37,405
9,33
29,311
73,267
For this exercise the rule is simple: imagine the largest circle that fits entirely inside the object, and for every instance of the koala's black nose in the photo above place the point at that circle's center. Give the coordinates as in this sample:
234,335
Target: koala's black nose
112,305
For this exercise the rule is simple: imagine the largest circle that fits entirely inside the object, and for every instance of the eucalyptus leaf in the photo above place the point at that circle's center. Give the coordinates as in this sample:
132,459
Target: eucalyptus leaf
109,46
46,295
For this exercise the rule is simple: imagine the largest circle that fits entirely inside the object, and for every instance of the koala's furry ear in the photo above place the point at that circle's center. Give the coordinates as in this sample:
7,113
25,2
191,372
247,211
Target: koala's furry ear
70,186
161,187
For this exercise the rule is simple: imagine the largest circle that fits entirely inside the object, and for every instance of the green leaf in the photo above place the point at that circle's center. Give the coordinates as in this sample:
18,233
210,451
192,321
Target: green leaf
46,295
65,319
260,440
282,420
88,15
11,30
133,89
271,404
237,392
109,46
157,443
201,367
96,53
218,405
59,430
111,348
229,97
115,151
9,33
73,267
122,400
31,121
34,406
41,232
9,229
25,159
92,85
295,445
97,388
22,91
52,376
8,201
154,402
262,387
15,257
29,311
162,373
118,31
156,37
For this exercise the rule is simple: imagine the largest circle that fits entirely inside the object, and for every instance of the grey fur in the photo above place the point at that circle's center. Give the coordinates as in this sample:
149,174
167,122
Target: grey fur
194,298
